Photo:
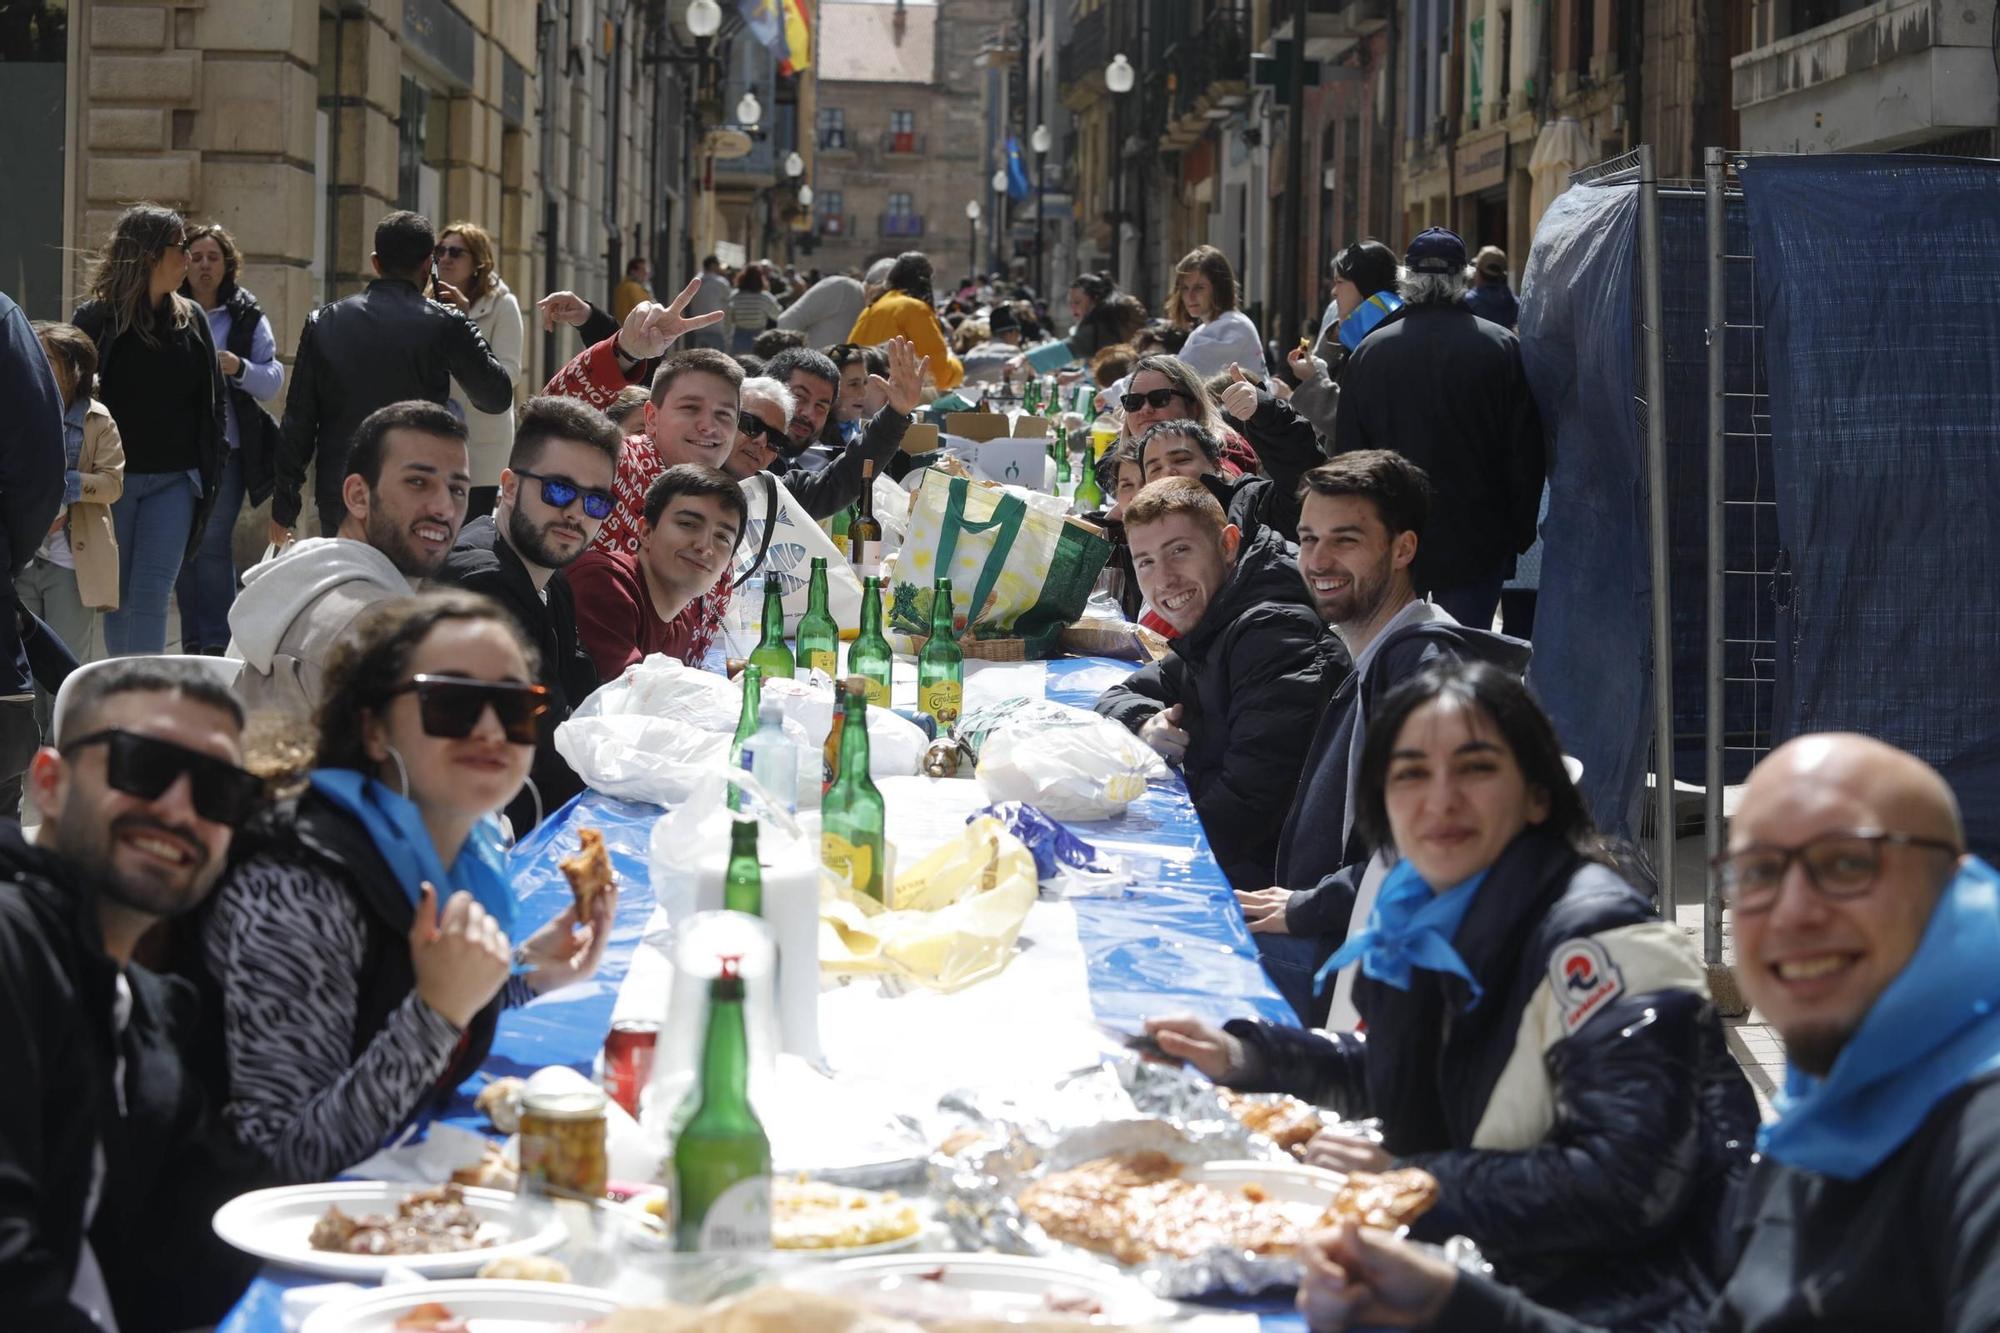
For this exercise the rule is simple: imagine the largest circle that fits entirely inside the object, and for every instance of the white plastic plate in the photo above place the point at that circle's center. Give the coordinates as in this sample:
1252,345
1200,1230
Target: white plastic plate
276,1226
489,1307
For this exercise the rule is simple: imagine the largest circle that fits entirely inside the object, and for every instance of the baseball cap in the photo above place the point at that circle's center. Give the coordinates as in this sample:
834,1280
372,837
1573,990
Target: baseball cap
1491,261
1436,250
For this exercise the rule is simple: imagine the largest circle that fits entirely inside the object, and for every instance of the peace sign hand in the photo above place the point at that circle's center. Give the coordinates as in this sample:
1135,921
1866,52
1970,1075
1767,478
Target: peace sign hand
652,328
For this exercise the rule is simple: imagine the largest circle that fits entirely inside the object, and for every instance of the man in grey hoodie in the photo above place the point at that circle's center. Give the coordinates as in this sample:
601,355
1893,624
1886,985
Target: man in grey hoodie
406,486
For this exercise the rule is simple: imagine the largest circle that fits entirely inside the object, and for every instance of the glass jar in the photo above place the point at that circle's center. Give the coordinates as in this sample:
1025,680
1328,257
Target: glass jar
562,1143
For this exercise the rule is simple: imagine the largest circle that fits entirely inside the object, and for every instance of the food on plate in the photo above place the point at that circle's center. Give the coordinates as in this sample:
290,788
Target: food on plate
812,1215
500,1102
958,1141
1281,1118
430,1317
1137,1207
432,1221
493,1172
589,871
525,1268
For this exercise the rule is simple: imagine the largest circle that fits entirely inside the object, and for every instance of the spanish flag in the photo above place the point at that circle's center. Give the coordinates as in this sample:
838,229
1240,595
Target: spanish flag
798,36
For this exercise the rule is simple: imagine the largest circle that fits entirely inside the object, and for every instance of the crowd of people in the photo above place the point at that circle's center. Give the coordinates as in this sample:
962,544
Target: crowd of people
263,919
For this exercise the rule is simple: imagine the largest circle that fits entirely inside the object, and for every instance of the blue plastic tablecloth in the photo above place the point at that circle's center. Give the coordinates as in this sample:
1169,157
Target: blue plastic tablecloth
1178,943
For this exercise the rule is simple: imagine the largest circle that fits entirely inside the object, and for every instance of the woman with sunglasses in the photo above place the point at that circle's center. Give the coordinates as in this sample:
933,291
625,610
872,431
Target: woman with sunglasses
468,276
157,372
1537,1038
361,947
1166,388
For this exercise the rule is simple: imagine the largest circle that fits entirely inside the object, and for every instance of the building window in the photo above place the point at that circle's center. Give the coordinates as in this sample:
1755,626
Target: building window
900,205
832,127
421,135
902,132
34,70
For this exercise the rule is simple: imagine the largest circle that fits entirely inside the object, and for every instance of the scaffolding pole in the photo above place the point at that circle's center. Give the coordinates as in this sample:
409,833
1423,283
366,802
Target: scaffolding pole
1657,511
1715,172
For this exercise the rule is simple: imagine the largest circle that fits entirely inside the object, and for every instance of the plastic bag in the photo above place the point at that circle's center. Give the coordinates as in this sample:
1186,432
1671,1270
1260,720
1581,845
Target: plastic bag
895,744
954,918
1071,763
795,539
1063,861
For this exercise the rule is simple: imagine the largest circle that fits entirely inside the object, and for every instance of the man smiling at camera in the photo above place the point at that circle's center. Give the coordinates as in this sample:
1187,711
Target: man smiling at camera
1234,701
1867,937
405,491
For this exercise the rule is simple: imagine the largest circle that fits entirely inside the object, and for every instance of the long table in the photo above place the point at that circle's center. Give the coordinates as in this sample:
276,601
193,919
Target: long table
1175,943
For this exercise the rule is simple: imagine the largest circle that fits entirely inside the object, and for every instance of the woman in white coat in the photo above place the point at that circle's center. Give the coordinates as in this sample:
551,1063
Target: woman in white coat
469,278
1204,301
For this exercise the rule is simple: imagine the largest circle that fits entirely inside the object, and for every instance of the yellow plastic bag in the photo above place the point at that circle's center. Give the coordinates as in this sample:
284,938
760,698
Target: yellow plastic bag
955,914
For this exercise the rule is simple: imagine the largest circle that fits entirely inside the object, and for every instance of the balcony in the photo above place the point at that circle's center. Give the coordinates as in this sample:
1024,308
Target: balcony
1208,77
1895,74
833,140
902,226
1080,63
902,143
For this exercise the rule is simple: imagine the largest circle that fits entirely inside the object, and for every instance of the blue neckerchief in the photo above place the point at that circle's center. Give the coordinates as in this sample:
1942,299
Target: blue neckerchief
1933,1029
1411,927
852,431
398,830
1366,316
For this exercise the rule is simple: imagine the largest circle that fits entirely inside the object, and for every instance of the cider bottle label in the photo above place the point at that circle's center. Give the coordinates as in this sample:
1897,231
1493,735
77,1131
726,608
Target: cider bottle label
878,693
739,1220
823,660
854,864
942,699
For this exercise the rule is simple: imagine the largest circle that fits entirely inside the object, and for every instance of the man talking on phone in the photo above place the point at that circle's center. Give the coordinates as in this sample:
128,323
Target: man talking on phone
389,343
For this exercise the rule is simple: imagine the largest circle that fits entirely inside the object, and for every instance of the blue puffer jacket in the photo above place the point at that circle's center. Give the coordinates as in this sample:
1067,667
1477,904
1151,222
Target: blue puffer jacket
1586,1123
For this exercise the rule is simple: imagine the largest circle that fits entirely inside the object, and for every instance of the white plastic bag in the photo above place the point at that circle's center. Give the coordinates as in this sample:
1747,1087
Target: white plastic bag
895,745
1070,763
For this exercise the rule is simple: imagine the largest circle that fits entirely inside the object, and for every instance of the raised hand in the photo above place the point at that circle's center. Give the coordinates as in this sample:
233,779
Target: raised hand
651,328
563,951
1305,366
562,308
451,295
905,386
460,959
1239,400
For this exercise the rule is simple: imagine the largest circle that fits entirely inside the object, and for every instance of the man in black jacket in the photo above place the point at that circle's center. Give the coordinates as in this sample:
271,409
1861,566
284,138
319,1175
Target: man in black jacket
142,798
555,492
824,486
31,492
1185,448
1232,702
384,345
1866,936
1358,540
1445,389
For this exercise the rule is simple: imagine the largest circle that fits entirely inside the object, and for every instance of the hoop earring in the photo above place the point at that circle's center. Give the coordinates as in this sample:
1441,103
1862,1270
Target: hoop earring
402,772
528,785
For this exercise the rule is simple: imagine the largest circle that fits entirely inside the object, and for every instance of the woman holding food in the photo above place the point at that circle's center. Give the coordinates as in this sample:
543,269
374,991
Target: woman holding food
1537,1039
360,949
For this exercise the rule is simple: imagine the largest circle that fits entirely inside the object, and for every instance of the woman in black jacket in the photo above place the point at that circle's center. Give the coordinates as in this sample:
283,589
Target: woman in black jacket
359,947
1536,1038
157,372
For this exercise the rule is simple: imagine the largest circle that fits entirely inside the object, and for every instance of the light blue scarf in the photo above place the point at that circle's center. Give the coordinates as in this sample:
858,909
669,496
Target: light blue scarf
1410,927
1934,1029
398,829
1366,316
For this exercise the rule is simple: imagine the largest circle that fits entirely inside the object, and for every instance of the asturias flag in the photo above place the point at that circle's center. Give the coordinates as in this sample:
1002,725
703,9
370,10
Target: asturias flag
1018,184
798,36
766,21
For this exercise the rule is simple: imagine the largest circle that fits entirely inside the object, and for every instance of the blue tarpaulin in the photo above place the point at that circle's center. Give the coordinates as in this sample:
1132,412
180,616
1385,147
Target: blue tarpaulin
1879,278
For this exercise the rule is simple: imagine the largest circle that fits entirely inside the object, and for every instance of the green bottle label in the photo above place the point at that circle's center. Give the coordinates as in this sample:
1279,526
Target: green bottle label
854,863
942,699
821,659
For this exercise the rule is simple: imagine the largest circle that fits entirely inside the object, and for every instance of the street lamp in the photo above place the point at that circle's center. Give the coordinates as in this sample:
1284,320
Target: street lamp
972,239
749,110
1039,141
805,196
1119,75
795,166
703,18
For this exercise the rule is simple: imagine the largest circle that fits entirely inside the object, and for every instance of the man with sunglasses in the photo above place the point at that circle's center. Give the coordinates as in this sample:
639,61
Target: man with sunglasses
388,344
406,487
142,796
1867,937
823,479
555,494
628,607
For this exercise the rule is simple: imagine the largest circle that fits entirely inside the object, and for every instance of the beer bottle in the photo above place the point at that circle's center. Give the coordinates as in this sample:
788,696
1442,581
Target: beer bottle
941,665
864,532
743,884
870,656
819,635
851,818
722,1160
771,655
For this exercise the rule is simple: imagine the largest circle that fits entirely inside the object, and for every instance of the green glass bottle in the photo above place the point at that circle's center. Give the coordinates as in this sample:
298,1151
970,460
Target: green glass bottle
864,530
722,1160
772,655
1089,495
851,817
1062,459
870,656
743,883
746,723
1031,397
941,664
819,634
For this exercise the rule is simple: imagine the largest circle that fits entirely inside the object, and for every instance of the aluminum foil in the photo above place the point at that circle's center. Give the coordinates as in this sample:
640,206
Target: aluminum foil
1120,1106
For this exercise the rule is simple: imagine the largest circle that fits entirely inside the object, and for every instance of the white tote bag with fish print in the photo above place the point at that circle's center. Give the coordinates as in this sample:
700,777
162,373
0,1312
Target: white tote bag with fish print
780,542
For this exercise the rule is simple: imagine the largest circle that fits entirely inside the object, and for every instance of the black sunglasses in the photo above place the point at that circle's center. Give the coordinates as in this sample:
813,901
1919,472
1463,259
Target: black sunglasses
561,493
145,766
450,252
1153,398
758,428
451,706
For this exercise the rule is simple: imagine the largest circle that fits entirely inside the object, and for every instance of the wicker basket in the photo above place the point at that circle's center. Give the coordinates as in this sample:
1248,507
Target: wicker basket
985,650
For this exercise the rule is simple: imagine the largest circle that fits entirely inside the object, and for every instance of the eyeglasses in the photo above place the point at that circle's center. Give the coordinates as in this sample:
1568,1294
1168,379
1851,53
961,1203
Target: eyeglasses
183,245
450,252
1153,398
450,706
561,493
757,428
145,766
1838,866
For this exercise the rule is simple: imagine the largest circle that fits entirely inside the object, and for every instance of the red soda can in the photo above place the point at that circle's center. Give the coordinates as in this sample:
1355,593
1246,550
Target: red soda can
628,1061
